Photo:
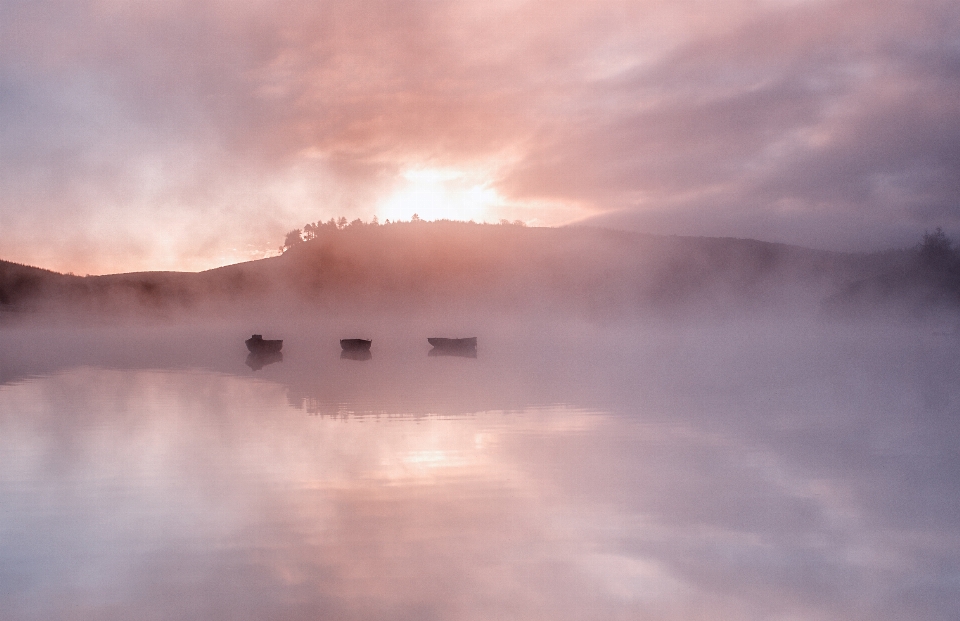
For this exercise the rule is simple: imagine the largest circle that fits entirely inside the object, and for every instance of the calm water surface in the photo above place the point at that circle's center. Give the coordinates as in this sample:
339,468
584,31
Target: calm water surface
731,472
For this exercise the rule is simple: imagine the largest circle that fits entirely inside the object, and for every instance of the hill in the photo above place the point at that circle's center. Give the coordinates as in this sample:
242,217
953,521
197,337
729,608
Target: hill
444,267
22,286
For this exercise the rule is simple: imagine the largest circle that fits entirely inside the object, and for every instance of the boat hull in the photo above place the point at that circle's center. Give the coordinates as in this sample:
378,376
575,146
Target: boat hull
454,344
355,344
260,346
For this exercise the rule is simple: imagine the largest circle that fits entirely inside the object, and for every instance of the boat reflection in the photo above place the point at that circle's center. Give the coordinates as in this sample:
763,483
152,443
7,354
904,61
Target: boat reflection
460,347
355,354
459,352
258,360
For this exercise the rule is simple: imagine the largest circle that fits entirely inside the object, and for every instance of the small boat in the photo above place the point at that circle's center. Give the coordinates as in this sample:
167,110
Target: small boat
355,344
466,343
258,345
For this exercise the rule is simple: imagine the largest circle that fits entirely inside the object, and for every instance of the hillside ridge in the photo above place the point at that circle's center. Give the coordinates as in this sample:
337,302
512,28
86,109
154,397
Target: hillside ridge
411,266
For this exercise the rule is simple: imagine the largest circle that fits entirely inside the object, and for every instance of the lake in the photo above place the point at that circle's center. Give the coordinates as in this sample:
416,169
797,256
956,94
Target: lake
705,470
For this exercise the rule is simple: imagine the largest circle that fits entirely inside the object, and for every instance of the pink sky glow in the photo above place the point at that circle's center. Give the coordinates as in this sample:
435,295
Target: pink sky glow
188,135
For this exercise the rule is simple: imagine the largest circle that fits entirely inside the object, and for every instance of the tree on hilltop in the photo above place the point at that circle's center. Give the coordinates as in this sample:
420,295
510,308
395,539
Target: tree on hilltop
293,238
936,250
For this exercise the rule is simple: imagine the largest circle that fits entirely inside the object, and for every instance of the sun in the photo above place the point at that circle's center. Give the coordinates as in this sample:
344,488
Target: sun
436,194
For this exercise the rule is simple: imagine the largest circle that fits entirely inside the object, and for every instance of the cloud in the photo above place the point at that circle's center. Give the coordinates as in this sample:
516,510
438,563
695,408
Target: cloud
843,114
193,134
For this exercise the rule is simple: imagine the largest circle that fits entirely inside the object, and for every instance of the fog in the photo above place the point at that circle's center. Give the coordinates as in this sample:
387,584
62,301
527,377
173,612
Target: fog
453,269
660,428
658,467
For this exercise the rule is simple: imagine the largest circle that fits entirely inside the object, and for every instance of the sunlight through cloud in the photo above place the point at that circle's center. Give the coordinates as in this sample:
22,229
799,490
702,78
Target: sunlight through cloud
436,194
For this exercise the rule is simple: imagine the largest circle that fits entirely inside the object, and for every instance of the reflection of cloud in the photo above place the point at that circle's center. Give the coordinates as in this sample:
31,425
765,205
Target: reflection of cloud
221,473
716,487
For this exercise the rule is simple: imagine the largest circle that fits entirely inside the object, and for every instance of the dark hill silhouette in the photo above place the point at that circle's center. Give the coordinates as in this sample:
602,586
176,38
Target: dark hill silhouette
914,282
22,285
455,266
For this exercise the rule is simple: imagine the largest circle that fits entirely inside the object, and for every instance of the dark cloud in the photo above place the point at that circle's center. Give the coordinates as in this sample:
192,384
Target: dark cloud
153,125
845,117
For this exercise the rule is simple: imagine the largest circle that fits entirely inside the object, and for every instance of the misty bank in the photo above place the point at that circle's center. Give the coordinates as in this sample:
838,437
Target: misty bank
444,267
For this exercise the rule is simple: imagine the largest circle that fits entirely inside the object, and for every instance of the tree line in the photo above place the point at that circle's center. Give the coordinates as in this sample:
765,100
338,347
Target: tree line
312,230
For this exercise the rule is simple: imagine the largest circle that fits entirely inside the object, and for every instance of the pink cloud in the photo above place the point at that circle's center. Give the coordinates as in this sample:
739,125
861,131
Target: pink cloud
280,113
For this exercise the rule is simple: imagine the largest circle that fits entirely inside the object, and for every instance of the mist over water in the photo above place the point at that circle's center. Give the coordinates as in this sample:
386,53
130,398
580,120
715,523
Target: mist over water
722,469
652,426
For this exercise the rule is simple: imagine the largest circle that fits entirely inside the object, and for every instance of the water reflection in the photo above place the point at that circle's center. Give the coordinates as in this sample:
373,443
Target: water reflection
356,354
258,360
673,479
459,352
459,347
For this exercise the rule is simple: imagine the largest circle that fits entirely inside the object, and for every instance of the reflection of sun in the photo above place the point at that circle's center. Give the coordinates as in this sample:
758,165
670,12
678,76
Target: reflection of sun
435,194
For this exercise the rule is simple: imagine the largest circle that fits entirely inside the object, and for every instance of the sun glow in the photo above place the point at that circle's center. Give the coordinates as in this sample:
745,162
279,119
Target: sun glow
435,194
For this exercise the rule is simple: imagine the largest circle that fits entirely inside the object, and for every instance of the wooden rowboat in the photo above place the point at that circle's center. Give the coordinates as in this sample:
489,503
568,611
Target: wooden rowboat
464,343
258,345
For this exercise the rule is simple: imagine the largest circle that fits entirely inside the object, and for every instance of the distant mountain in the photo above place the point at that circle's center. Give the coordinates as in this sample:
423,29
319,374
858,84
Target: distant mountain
464,267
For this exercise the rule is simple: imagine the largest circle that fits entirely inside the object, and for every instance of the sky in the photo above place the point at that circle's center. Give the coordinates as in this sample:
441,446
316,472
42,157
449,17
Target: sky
167,134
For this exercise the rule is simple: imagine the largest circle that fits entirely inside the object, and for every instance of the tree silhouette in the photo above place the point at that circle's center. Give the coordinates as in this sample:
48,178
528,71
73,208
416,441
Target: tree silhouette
293,238
936,250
